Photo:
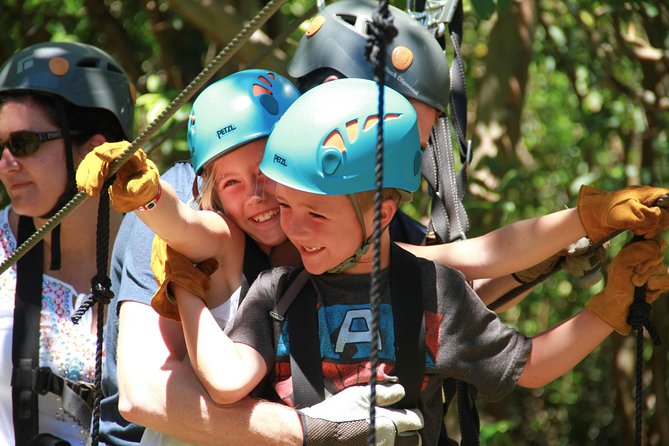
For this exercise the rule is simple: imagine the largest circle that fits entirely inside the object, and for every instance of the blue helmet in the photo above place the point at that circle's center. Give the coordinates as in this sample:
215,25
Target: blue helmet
236,110
326,142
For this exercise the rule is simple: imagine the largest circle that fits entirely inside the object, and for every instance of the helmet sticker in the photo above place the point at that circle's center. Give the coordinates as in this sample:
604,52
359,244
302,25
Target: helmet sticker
59,66
315,25
402,58
265,95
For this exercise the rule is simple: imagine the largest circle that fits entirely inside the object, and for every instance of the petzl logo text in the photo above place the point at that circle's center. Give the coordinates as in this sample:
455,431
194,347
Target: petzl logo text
225,130
280,160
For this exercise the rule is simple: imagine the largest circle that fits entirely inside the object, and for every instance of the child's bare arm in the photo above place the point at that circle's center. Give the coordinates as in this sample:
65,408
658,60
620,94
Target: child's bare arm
523,244
228,370
559,349
509,249
197,234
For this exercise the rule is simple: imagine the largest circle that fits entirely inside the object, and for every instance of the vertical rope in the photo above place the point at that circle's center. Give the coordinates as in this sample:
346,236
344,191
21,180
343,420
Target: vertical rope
382,32
101,295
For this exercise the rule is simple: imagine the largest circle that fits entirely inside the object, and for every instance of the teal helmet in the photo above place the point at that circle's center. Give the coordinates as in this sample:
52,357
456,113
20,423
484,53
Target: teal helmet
236,110
79,73
416,64
326,142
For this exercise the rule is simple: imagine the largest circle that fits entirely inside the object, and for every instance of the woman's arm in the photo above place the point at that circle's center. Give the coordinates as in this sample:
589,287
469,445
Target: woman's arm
159,390
509,249
228,370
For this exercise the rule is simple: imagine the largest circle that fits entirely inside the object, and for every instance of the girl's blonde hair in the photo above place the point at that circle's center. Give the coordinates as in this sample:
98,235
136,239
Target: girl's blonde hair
208,198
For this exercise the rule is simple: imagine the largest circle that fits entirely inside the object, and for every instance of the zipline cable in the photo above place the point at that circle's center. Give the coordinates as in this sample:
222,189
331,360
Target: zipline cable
186,94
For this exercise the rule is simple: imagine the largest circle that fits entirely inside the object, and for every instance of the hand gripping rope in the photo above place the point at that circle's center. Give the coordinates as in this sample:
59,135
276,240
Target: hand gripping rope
100,284
639,318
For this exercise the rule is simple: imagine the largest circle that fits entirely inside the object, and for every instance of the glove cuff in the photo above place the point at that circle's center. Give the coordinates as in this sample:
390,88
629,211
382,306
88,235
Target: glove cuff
320,432
152,204
611,312
589,212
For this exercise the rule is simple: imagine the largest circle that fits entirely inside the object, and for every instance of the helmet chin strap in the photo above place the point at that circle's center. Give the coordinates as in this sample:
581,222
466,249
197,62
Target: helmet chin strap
364,246
70,187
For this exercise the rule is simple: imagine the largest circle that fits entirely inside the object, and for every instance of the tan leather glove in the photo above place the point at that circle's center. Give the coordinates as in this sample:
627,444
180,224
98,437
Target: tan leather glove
603,213
532,273
637,264
137,181
170,266
579,260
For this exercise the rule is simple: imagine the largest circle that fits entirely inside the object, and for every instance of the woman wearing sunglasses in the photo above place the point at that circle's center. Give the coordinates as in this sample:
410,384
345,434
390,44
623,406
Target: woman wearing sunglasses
57,102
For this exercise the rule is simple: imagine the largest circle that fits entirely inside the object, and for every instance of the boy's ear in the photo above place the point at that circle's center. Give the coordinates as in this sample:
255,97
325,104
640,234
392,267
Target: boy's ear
388,210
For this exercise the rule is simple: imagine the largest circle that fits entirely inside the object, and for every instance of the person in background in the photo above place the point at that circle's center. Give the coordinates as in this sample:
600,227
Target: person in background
57,102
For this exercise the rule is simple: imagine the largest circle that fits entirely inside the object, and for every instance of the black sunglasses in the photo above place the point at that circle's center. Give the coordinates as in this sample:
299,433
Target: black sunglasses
26,143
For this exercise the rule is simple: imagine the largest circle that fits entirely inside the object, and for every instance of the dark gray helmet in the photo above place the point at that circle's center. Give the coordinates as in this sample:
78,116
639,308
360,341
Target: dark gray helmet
79,73
416,65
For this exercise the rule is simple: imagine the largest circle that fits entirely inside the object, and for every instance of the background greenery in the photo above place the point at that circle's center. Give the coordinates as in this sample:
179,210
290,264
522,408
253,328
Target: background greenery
560,94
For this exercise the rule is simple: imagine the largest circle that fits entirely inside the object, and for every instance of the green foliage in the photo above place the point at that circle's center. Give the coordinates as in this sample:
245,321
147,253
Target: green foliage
592,111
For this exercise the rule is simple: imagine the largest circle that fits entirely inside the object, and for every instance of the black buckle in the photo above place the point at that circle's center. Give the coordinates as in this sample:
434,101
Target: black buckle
84,390
46,381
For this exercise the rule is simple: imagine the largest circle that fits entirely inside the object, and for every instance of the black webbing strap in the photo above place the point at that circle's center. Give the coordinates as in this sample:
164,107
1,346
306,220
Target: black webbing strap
305,350
255,260
449,220
305,354
25,337
470,424
406,291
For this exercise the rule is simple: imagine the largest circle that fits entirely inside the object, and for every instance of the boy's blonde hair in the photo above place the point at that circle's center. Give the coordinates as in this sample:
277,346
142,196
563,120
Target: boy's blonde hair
366,198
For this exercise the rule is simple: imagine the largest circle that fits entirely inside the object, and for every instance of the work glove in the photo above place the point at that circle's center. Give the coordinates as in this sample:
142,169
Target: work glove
578,259
137,181
603,213
343,419
637,264
170,266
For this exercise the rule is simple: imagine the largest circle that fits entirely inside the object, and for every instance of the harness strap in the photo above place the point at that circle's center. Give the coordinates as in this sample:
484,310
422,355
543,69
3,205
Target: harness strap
25,335
449,220
470,424
408,318
409,324
255,261
305,350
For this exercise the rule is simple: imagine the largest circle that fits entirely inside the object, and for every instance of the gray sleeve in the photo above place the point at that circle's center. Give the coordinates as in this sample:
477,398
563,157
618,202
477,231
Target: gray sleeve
132,278
253,324
475,345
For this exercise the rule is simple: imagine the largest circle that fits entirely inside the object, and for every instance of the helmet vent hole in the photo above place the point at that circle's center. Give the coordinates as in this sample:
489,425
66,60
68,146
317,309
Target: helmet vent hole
265,81
260,90
371,122
88,62
352,130
334,139
350,19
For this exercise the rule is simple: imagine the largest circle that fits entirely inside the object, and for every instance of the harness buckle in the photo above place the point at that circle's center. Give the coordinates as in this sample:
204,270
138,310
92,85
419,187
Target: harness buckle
276,316
46,381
